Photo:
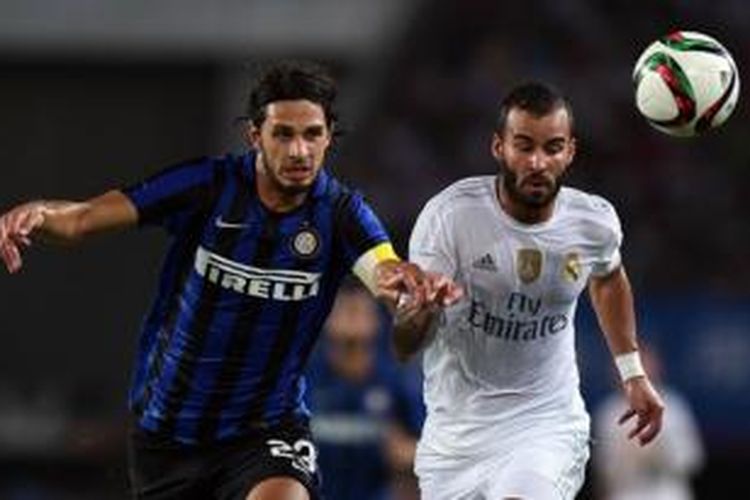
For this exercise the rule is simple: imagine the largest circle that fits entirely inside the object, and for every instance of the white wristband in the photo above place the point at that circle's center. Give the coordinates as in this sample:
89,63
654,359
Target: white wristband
629,365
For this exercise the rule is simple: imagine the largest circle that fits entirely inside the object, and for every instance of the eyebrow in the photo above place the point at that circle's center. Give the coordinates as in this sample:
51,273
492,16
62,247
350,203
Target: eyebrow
288,127
523,137
314,128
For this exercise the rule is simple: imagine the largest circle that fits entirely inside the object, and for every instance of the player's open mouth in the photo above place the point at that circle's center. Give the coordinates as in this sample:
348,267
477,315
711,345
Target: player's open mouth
297,173
538,183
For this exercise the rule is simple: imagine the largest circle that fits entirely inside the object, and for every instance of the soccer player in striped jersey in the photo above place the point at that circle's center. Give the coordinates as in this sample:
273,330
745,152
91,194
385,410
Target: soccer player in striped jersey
505,417
260,243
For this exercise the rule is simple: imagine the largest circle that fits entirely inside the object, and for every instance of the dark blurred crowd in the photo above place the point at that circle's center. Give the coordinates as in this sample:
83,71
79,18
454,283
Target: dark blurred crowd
681,201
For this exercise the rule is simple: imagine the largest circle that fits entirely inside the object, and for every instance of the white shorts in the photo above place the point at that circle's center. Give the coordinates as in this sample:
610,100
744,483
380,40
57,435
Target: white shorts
549,466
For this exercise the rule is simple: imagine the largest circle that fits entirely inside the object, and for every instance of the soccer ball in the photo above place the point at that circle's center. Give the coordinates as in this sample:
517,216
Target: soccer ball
686,83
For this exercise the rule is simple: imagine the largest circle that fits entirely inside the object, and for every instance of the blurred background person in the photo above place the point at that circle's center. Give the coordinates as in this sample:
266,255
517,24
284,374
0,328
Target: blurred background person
663,471
365,419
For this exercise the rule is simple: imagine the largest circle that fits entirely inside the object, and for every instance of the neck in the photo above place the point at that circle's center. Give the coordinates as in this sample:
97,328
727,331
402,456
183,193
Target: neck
272,195
522,212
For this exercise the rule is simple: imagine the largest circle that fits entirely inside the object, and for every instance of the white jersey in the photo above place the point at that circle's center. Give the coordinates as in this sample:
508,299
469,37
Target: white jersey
502,362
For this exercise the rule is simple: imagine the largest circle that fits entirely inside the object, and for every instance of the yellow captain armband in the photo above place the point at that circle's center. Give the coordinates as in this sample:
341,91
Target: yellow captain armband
365,266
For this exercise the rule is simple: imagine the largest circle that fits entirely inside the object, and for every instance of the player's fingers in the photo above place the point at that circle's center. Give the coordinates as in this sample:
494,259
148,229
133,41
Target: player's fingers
650,432
641,424
20,222
417,297
431,287
626,416
437,289
453,294
20,238
12,257
655,419
3,229
389,287
5,256
391,281
5,225
29,220
410,281
438,297
390,295
14,220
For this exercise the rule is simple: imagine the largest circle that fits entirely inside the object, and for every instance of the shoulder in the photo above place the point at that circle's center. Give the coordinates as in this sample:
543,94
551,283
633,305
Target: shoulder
348,205
594,211
464,193
587,204
217,169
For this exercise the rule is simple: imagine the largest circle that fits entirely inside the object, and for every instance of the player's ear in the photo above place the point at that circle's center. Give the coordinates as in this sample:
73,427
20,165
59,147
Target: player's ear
572,148
497,146
252,135
332,131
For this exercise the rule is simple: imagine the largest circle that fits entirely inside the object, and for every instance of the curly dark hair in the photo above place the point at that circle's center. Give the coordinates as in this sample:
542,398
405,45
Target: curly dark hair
292,80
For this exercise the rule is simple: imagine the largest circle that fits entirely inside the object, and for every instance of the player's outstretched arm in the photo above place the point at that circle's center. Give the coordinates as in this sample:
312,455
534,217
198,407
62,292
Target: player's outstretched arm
413,296
612,298
416,316
63,222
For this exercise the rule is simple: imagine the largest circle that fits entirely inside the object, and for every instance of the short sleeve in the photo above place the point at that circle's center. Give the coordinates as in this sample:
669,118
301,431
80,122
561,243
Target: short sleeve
429,245
169,195
608,256
359,228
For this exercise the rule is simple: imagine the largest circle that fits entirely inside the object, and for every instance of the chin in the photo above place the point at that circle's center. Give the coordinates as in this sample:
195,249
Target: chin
296,188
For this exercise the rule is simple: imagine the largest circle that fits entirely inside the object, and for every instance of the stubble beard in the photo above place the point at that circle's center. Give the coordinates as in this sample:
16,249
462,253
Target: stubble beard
278,184
510,185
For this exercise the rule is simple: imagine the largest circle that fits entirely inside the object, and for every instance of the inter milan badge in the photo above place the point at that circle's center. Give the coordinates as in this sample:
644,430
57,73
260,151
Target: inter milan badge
306,243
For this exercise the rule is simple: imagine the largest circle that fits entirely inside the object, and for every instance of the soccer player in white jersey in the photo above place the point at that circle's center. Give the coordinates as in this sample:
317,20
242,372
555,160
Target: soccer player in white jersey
506,419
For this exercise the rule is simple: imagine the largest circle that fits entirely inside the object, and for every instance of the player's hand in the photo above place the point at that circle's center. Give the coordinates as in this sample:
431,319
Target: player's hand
397,280
646,405
16,227
442,291
439,292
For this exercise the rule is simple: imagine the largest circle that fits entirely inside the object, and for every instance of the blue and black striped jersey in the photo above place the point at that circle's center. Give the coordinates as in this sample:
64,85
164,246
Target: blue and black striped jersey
242,296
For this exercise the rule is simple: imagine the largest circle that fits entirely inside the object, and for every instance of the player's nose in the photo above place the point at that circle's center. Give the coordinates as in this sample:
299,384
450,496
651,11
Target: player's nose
537,162
298,148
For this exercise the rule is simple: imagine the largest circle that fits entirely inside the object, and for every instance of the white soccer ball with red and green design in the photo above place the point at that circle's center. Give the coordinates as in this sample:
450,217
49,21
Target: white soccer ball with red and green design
686,83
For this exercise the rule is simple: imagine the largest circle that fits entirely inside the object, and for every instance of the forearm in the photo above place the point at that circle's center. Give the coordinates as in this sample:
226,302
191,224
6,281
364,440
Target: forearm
68,222
62,221
612,298
412,330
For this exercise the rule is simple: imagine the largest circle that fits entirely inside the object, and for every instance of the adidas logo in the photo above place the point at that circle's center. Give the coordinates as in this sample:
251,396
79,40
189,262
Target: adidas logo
485,263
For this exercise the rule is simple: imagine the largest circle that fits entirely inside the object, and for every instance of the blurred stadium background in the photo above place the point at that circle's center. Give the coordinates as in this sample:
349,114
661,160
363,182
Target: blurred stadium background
98,94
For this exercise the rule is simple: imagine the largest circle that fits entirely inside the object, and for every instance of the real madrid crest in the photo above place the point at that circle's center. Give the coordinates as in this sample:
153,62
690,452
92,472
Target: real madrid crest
306,243
528,264
571,269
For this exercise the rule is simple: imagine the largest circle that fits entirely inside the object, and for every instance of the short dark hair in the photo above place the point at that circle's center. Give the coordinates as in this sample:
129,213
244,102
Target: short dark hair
291,80
538,99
